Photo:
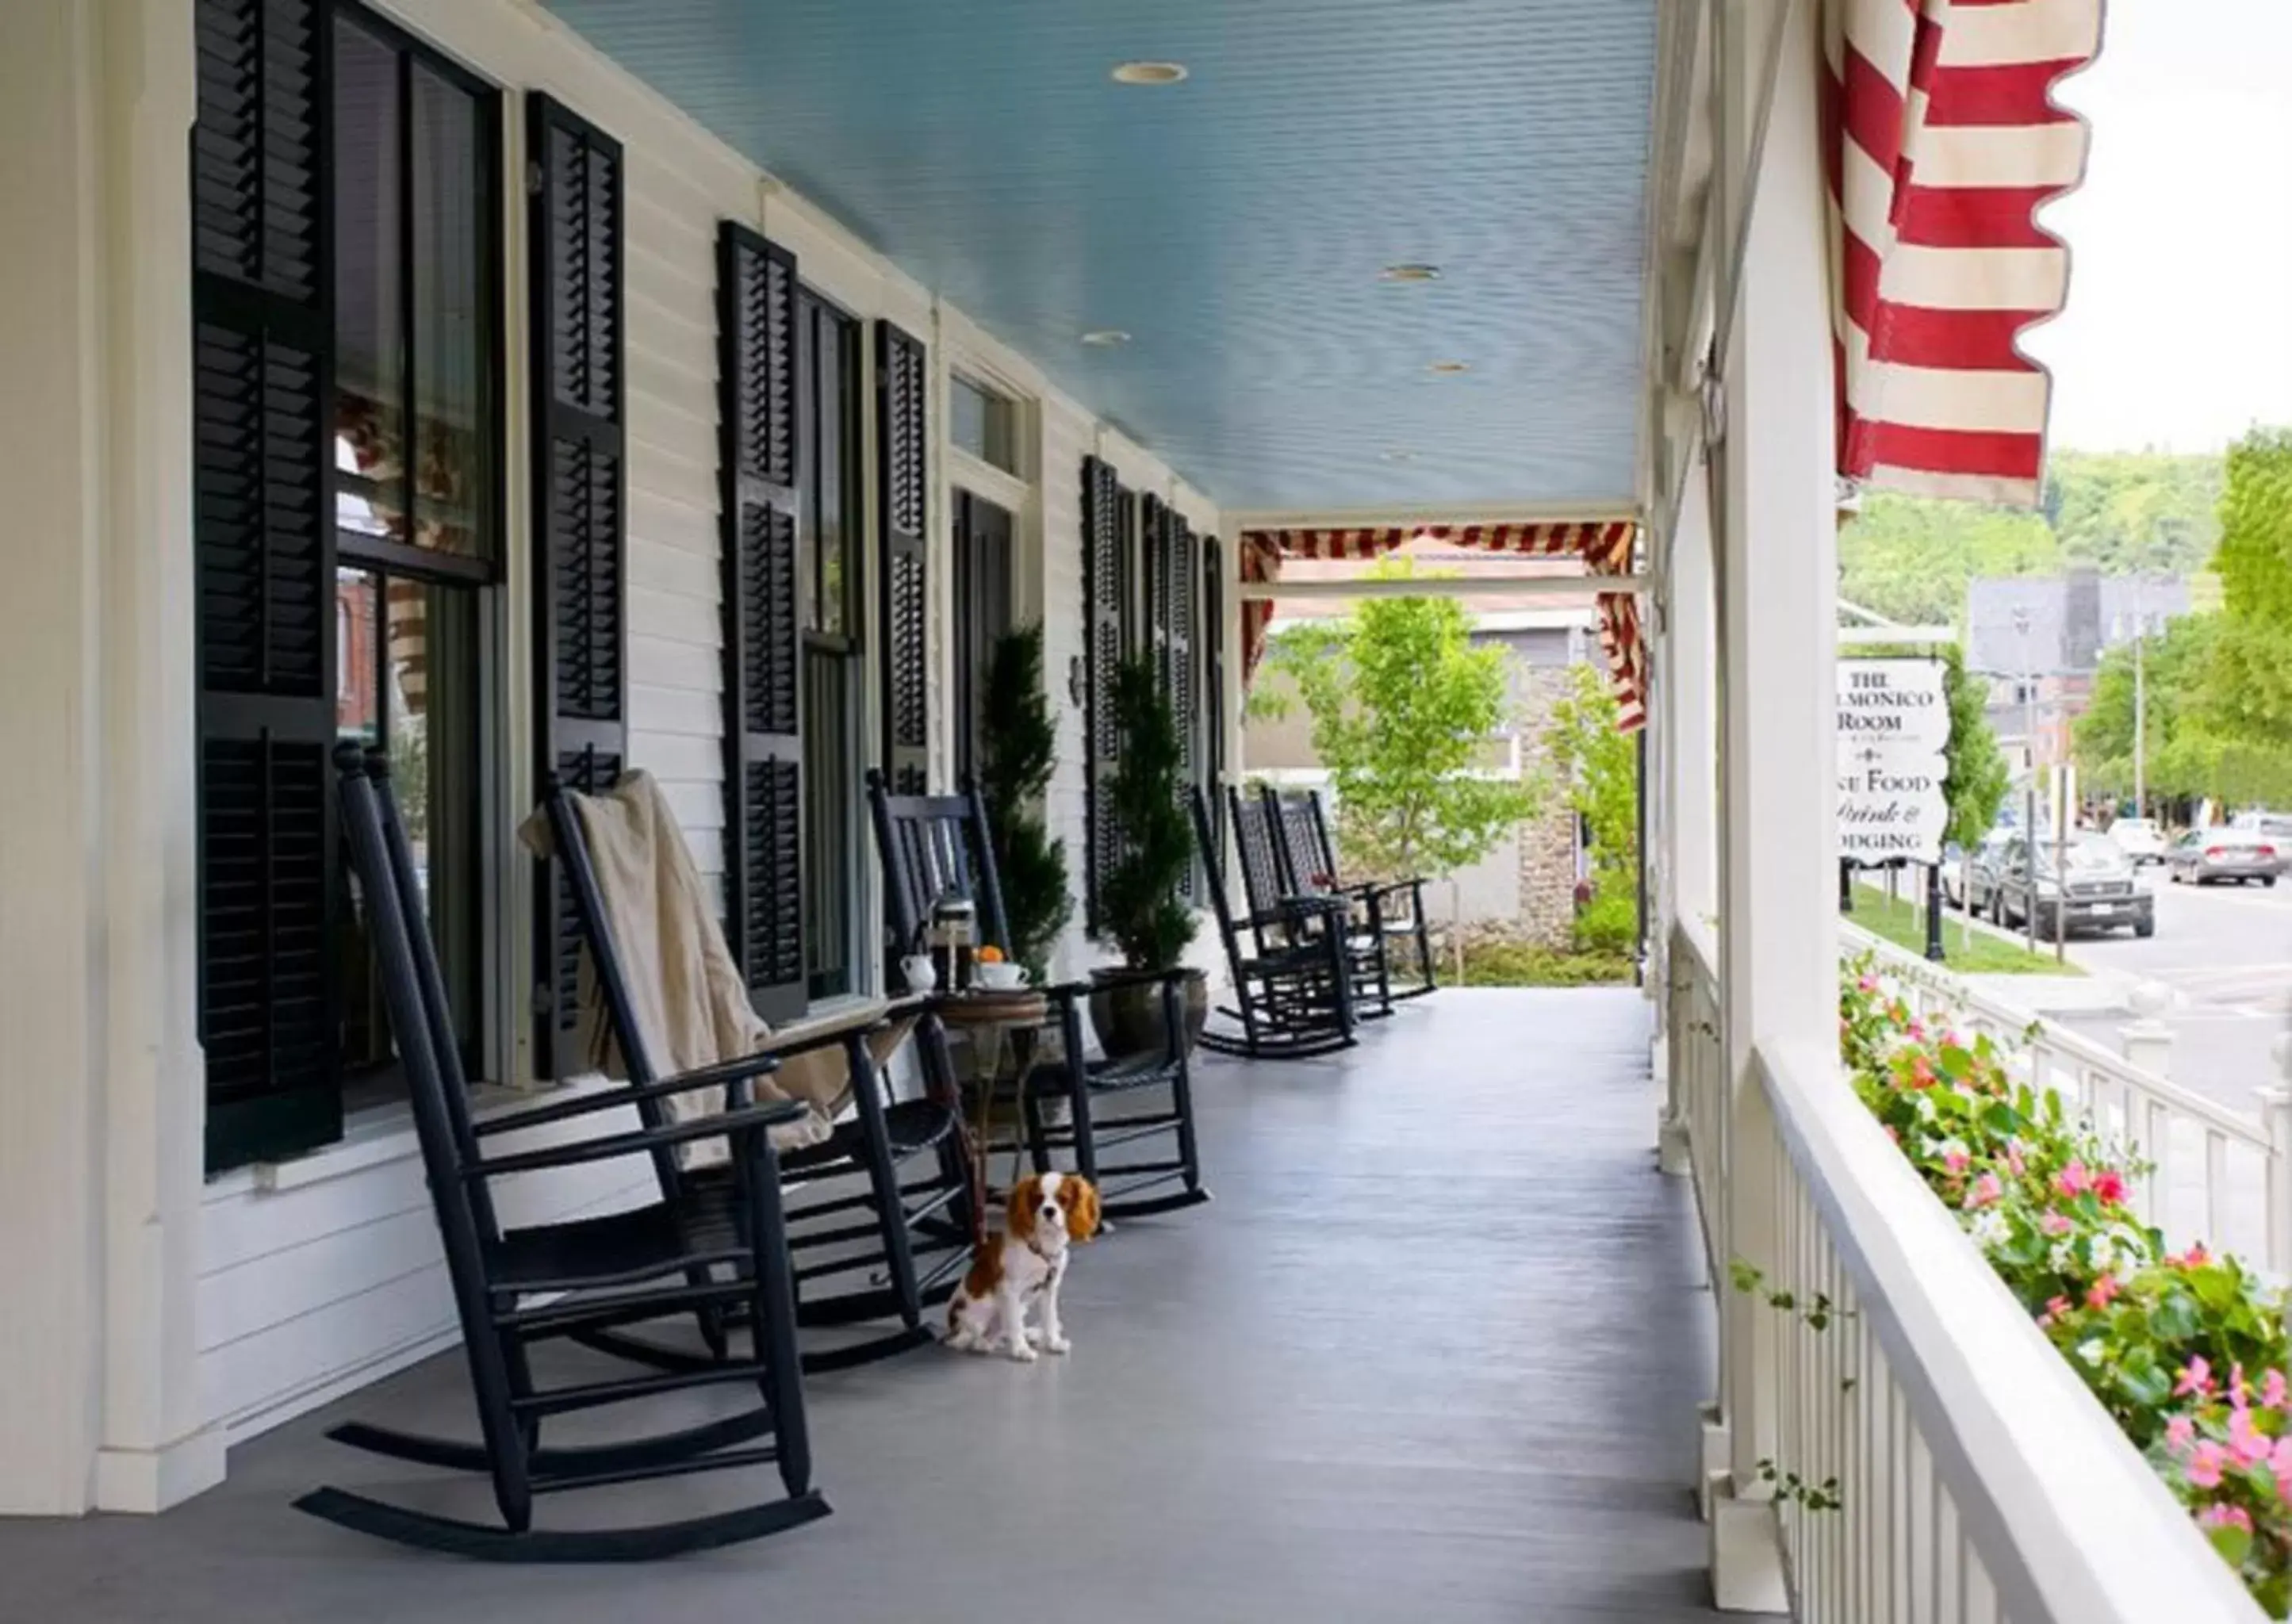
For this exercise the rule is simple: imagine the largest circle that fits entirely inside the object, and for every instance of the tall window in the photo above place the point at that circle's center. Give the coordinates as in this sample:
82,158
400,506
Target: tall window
417,510
828,527
982,614
984,423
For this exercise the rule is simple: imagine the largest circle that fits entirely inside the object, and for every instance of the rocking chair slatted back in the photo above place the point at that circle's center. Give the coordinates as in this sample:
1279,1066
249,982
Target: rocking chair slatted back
1309,861
931,846
1258,842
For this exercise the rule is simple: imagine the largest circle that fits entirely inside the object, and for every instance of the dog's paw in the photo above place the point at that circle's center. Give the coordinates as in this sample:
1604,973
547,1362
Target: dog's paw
1057,1344
1022,1351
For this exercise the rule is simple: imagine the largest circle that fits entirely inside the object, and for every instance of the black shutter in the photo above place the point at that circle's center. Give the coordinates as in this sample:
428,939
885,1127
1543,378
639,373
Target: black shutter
263,529
757,428
1176,586
901,385
1211,637
580,503
1104,579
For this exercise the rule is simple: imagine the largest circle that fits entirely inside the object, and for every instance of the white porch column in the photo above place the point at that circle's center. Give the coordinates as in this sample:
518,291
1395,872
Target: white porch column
1777,588
100,1076
1686,721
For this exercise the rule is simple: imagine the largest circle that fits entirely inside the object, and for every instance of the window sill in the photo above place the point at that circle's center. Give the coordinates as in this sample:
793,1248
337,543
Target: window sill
383,1133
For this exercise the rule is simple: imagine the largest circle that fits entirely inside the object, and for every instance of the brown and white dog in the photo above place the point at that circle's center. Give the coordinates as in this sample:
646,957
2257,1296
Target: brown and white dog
1021,1269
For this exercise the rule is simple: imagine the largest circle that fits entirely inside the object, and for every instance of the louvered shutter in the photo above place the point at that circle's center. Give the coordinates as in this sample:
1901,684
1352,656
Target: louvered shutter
900,427
1210,635
580,500
1103,580
1177,587
757,426
263,401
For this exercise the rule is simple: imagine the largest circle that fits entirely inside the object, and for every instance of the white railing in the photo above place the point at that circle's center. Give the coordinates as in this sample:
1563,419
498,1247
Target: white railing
1950,1467
2212,1174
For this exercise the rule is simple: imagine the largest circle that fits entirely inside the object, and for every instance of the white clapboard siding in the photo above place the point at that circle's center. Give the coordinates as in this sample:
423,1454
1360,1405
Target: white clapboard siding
324,1275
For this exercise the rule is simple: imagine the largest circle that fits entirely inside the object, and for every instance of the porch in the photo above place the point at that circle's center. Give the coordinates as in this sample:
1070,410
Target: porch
1433,1355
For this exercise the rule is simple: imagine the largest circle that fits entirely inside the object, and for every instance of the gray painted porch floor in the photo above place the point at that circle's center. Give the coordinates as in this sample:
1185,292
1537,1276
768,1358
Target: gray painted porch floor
1432,1355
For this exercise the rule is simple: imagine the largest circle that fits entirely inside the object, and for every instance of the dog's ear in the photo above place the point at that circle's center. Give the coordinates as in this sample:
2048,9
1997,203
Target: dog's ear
1082,1208
1026,1203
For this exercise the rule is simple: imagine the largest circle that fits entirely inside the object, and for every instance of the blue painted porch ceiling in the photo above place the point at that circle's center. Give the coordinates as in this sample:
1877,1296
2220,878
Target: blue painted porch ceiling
1235,224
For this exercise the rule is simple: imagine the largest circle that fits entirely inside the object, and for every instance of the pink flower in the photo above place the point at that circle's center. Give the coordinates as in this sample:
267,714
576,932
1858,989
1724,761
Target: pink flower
2196,1378
1917,1032
2054,1224
1986,1191
2204,1469
1922,1074
1956,1160
2054,1310
2220,1513
2104,1288
2280,1464
2109,1185
2180,1435
2239,1395
2014,1162
2248,1442
2273,1392
2074,1180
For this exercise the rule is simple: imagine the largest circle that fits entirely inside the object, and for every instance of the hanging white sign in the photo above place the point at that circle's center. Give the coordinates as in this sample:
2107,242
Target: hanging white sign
1894,726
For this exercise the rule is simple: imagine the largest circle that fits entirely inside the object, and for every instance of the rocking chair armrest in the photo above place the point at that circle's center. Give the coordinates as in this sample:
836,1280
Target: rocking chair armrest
857,1027
639,1141
740,1071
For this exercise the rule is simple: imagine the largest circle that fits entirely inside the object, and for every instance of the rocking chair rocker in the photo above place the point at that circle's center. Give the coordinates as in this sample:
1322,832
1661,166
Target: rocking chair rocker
1293,994
515,1289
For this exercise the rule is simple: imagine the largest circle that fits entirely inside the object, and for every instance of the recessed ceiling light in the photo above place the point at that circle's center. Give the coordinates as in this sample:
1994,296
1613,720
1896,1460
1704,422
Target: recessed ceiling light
1449,368
1409,273
1149,73
1106,338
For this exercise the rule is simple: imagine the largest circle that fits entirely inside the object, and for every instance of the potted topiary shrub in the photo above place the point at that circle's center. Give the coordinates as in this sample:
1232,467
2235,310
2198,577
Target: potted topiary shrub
1142,910
1018,747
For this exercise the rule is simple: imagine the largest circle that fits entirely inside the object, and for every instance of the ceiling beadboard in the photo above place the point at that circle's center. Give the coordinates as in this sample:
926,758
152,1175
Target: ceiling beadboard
1235,224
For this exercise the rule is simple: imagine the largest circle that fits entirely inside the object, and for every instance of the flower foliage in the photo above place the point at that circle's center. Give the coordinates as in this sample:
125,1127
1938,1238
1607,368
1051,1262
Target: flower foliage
2188,1351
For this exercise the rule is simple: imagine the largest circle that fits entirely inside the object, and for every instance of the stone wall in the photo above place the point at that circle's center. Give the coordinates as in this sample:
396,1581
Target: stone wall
1546,906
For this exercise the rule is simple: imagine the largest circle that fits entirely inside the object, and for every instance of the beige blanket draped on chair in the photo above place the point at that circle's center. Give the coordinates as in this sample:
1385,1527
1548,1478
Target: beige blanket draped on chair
689,1002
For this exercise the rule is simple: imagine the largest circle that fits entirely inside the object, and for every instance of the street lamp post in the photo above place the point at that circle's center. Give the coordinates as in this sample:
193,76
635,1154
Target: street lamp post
2140,707
2029,795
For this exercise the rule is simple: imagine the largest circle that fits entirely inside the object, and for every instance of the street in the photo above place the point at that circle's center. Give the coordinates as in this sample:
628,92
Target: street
2225,954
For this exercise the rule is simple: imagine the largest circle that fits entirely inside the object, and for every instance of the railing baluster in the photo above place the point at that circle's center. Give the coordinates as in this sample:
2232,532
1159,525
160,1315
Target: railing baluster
2216,1189
2156,1184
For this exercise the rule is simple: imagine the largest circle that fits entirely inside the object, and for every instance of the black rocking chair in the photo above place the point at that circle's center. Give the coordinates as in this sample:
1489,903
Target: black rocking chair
933,845
515,1289
1293,985
1385,916
895,1262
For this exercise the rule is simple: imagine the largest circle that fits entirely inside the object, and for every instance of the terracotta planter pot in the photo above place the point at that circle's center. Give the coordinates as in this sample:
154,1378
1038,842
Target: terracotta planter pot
1128,1019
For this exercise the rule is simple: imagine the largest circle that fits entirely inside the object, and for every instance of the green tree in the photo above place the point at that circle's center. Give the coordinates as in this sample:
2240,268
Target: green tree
1403,704
2249,695
1139,908
1600,766
1018,747
2176,663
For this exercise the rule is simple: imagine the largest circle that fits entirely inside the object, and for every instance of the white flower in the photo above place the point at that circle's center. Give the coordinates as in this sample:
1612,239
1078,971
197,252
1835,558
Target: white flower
2089,1350
1990,1229
1925,1108
2062,1259
2101,1253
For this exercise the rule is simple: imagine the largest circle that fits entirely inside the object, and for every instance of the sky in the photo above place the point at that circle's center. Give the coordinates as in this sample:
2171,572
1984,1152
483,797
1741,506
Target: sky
2178,330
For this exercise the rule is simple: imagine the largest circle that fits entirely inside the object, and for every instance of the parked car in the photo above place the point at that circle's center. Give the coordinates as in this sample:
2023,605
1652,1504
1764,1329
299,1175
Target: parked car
2102,892
2140,839
1968,877
2202,856
2275,827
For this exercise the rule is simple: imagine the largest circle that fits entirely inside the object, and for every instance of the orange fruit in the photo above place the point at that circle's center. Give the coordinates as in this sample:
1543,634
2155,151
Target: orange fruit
990,955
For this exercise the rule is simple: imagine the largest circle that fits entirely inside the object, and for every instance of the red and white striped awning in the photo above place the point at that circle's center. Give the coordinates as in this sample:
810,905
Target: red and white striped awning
1604,545
1943,140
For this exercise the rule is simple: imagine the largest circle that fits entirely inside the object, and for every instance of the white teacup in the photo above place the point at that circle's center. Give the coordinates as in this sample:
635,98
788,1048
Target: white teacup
921,974
1005,977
